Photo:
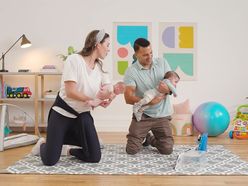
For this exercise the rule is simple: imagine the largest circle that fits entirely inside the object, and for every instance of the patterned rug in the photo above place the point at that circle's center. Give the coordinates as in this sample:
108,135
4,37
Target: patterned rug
220,161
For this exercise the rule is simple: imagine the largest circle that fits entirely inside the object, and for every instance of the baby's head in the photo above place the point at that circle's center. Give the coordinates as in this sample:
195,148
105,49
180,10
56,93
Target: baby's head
173,77
119,88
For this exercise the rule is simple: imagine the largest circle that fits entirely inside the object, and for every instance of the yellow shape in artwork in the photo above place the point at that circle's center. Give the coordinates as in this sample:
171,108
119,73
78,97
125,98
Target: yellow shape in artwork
186,37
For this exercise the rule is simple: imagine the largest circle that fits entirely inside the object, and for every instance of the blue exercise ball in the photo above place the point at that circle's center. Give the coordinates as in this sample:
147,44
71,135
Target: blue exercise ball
211,117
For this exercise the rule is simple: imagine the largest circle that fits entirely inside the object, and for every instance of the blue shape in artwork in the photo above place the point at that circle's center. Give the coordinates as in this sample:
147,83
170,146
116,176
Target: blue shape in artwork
126,34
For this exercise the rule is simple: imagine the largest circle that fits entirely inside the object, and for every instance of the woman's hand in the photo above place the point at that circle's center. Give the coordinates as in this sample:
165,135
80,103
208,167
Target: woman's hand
112,97
105,103
103,94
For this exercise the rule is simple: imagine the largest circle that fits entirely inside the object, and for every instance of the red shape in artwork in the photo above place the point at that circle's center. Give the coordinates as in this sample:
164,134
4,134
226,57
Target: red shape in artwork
122,52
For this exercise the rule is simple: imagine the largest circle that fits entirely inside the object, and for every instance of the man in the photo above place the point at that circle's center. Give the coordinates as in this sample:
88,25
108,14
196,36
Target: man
146,73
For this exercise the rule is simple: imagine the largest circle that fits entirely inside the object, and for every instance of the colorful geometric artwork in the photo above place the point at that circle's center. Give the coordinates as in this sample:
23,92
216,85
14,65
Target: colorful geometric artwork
125,33
186,37
182,61
177,44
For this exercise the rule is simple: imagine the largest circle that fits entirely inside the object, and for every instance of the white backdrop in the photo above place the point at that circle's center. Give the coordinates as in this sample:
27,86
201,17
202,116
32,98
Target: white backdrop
53,25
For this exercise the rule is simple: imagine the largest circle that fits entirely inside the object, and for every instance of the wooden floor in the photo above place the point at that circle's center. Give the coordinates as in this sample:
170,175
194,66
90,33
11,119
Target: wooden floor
239,147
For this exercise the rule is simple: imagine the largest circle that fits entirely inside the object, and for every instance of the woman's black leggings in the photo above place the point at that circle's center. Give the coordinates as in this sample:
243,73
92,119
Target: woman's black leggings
63,130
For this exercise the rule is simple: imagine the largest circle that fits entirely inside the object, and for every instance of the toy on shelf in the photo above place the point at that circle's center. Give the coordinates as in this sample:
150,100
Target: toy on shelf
50,94
24,70
49,69
194,159
18,92
240,123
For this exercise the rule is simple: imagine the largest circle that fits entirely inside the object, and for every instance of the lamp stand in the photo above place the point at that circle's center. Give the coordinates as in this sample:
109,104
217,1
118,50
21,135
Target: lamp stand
3,70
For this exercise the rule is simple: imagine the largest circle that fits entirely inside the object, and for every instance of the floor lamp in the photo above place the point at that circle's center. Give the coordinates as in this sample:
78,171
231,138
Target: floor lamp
24,44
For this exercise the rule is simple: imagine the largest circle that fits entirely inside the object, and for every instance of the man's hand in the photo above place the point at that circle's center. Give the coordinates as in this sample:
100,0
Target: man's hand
156,100
163,88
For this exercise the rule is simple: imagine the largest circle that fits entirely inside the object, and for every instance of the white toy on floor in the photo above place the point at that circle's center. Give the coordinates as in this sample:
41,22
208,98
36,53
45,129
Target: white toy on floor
194,159
14,140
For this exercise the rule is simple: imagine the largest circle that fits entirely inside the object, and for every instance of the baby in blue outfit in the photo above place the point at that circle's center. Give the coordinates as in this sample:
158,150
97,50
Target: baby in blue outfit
171,79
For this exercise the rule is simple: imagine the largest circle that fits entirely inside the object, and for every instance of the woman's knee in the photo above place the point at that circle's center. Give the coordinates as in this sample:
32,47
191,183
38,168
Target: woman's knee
96,158
49,161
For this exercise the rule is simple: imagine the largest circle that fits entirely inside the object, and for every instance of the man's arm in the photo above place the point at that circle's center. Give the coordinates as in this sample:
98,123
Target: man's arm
129,95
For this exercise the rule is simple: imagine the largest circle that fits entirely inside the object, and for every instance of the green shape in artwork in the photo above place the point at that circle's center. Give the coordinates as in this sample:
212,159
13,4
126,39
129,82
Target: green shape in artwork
182,60
122,66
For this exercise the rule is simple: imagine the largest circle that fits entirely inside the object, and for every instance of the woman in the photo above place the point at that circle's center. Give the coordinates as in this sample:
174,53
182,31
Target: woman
69,120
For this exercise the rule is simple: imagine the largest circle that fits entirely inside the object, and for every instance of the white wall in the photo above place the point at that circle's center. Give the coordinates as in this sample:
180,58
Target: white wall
53,25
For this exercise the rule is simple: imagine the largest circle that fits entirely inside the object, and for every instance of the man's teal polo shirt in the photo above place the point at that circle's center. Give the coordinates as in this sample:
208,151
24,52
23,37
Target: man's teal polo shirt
145,79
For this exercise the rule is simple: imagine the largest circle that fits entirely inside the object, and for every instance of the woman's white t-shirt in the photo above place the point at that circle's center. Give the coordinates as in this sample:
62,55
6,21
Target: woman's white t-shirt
88,83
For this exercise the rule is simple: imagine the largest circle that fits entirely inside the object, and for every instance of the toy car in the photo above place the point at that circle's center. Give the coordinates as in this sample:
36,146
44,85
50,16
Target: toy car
19,92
